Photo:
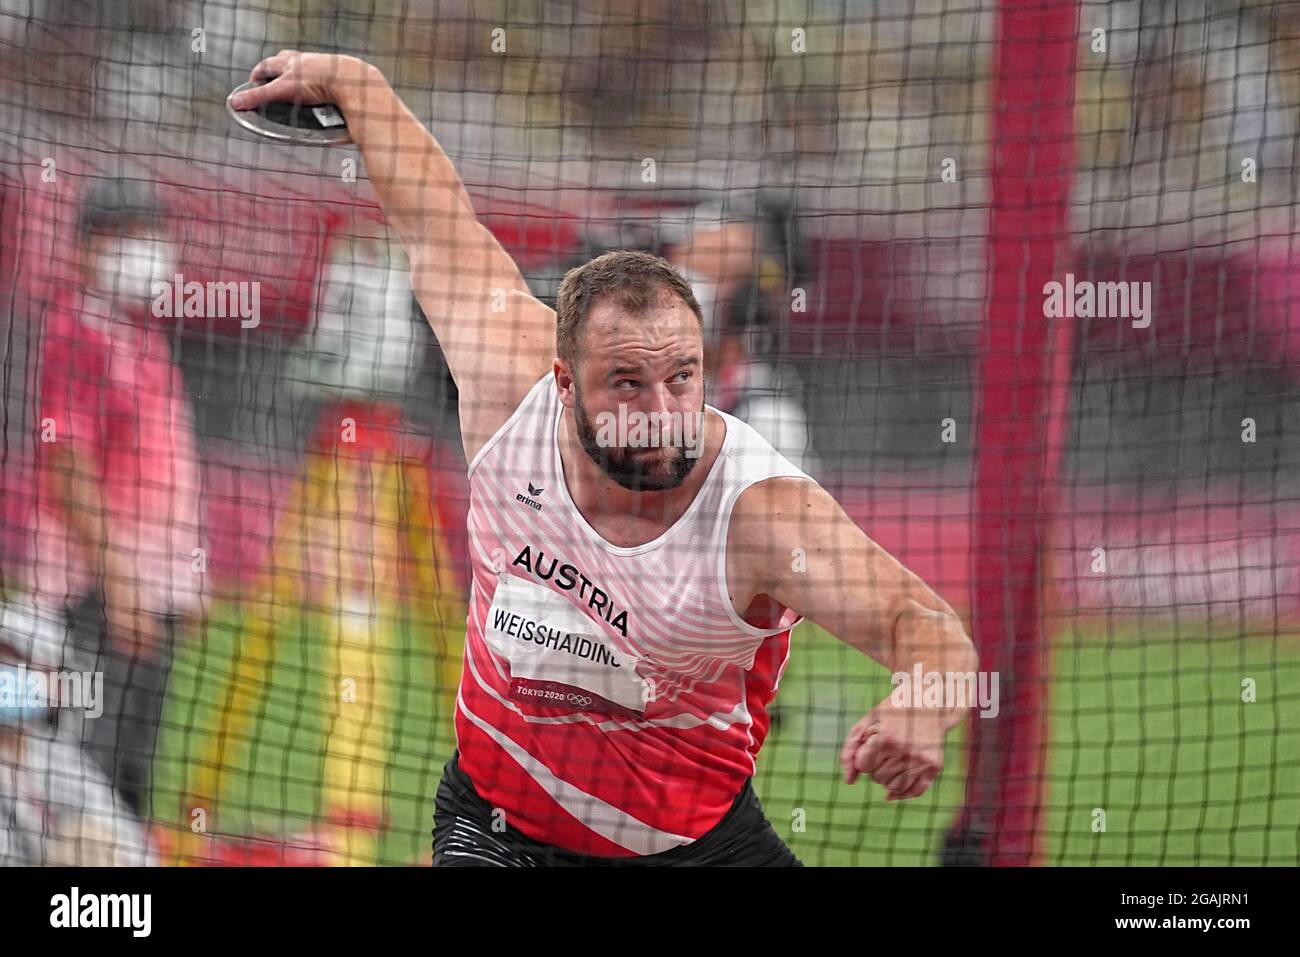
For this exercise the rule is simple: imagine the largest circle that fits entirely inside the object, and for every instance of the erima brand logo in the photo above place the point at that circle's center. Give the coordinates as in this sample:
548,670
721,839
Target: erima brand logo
528,499
567,577
132,911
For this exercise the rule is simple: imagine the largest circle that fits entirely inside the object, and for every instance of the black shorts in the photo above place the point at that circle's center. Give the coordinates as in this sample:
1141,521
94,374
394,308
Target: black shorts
463,836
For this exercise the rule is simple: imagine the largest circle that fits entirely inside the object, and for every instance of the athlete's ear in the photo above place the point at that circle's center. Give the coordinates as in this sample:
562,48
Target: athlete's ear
565,382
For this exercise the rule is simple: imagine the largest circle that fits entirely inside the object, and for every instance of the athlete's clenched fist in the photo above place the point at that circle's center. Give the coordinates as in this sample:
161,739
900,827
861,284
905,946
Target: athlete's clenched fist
900,749
296,77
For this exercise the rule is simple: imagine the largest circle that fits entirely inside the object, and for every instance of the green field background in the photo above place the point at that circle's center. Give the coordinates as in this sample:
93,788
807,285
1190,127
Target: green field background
1147,725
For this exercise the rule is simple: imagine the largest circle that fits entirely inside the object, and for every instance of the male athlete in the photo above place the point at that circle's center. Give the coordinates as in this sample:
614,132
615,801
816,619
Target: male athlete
639,558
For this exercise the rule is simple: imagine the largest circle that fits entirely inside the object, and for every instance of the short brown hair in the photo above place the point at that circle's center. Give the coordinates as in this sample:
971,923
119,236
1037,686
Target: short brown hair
634,280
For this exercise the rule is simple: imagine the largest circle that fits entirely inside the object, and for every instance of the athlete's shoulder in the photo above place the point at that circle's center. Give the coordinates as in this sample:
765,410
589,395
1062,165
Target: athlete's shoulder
780,511
771,518
768,490
751,456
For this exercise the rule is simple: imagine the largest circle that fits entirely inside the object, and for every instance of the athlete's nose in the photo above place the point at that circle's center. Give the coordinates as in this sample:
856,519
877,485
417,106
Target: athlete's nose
659,404
650,399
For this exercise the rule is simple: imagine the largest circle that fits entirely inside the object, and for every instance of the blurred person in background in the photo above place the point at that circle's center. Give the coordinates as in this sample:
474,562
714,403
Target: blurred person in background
117,541
56,805
735,271
739,282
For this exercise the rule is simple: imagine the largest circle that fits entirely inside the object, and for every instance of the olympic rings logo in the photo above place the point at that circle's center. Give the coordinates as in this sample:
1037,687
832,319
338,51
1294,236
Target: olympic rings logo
580,700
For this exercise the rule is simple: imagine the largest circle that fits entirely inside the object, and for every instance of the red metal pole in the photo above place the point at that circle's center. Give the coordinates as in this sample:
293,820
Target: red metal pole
1021,409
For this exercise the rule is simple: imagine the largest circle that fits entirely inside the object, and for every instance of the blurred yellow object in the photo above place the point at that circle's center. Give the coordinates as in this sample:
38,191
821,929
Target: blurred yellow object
360,543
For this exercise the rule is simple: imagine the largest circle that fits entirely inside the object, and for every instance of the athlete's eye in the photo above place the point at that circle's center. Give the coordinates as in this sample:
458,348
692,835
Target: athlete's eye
626,384
683,375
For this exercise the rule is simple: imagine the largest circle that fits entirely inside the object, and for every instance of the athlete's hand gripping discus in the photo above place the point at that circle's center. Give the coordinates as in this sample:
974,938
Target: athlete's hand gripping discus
308,124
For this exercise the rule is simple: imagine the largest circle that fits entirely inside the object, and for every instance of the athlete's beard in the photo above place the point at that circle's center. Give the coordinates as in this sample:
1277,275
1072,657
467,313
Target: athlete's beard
622,465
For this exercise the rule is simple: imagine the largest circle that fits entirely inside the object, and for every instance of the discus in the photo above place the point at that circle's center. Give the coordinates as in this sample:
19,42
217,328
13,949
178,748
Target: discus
310,125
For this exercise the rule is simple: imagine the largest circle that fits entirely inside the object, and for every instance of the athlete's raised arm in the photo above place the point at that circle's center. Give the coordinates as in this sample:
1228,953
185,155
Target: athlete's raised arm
497,337
857,591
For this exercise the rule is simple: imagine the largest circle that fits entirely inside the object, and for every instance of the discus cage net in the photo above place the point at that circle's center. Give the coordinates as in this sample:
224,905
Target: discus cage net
1015,281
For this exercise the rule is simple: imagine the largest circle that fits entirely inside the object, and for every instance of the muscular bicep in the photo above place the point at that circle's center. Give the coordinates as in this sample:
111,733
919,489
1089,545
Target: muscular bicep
497,337
802,550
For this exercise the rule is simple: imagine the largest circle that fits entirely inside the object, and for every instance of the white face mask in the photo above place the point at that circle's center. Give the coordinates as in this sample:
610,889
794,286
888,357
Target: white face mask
129,267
